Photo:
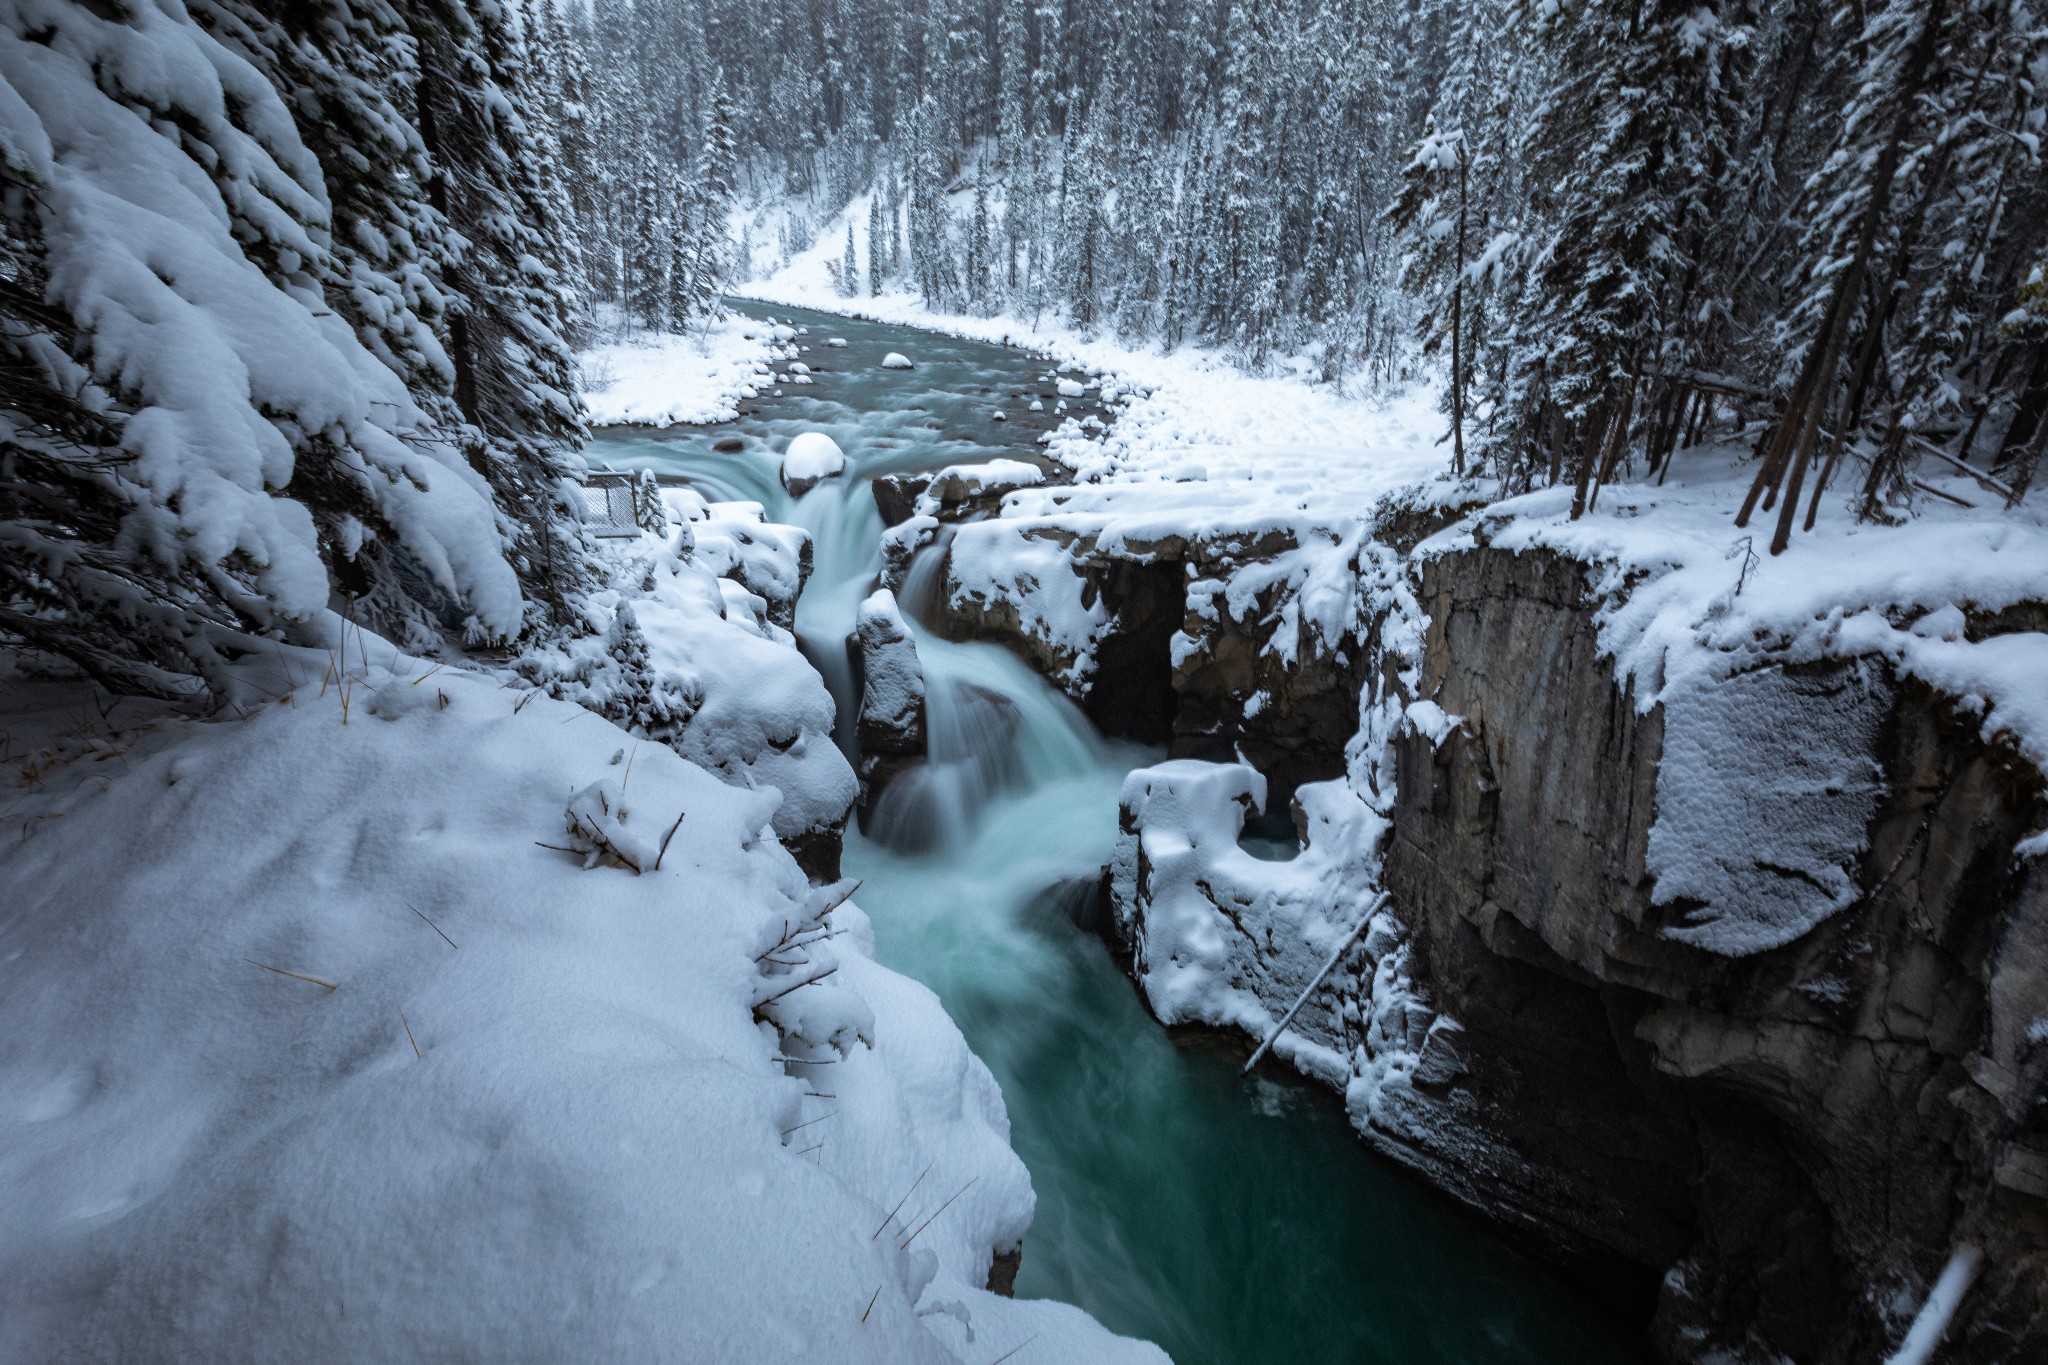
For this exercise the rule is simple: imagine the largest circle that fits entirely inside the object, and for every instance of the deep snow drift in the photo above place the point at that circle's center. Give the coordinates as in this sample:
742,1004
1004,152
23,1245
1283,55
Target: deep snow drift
324,1035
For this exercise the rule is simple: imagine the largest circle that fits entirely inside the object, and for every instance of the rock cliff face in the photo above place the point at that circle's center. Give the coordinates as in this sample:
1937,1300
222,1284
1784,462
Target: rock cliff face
1776,1093
1805,1132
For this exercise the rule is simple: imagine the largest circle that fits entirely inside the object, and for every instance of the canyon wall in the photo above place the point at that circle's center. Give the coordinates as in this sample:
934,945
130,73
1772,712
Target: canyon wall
1737,1002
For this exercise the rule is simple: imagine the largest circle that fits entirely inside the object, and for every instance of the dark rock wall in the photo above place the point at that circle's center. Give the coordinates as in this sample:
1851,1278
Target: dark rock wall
1792,1129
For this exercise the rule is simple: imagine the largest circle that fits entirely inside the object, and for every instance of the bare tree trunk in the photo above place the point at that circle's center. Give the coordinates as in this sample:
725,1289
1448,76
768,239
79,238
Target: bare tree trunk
1792,448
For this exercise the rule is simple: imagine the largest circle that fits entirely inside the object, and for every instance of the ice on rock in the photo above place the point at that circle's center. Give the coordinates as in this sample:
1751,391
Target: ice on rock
812,458
896,360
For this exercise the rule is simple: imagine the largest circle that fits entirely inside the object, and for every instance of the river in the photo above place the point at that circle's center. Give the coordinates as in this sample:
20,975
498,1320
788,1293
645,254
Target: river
1233,1220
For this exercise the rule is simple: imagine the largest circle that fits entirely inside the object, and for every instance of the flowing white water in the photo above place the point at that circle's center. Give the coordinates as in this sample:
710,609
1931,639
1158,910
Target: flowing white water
1229,1219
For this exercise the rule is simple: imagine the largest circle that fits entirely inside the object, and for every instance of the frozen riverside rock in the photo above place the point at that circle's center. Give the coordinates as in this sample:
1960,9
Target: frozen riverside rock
891,727
811,459
896,360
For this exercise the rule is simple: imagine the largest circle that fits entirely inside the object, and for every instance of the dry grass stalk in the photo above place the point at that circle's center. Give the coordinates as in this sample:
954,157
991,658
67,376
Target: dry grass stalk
807,1123
408,1036
293,975
904,1245
901,1202
661,852
431,925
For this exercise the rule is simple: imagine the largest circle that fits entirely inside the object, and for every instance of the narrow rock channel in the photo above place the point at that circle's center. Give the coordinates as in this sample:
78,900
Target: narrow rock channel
1228,1219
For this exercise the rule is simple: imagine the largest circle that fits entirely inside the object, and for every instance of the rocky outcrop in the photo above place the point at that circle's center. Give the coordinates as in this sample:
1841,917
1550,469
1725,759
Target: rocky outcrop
1804,1133
890,729
1184,649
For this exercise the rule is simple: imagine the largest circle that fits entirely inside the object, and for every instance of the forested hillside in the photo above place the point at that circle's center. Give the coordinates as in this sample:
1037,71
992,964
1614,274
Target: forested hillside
1609,221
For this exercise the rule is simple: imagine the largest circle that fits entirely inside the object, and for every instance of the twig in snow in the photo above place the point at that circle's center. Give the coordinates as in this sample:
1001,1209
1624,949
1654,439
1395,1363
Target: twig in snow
807,1123
816,1146
429,673
871,1303
1014,1349
904,1245
1931,490
409,1038
807,981
294,975
431,925
661,852
629,776
904,1200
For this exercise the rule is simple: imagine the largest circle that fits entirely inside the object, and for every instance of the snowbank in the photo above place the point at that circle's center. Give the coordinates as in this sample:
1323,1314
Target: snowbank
690,646
661,380
319,1041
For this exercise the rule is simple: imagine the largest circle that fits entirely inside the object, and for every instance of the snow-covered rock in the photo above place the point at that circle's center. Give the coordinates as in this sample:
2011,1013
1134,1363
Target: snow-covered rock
1072,388
812,458
891,727
896,360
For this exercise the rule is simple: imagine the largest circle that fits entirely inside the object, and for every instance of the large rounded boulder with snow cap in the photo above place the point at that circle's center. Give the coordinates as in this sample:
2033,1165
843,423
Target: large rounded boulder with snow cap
811,459
896,360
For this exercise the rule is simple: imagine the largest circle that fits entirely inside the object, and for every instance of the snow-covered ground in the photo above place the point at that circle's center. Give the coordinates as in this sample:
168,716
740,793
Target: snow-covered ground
658,380
327,1032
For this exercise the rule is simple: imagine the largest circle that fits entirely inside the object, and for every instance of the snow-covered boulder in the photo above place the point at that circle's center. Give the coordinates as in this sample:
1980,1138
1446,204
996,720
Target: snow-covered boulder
891,729
811,459
836,343
896,360
963,492
1072,388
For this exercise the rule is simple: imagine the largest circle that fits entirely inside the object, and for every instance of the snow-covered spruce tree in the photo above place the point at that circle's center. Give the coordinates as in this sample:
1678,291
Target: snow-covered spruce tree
1952,270
878,244
849,266
2026,332
648,512
514,375
1627,146
1850,230
229,312
1458,208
